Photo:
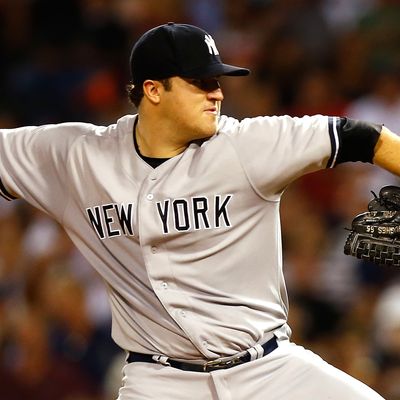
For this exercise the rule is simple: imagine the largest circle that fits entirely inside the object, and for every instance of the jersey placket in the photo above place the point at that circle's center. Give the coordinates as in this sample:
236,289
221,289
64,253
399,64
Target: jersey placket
158,266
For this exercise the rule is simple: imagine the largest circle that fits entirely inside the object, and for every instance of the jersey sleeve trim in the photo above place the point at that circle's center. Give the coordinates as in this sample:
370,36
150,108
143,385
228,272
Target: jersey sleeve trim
5,193
334,137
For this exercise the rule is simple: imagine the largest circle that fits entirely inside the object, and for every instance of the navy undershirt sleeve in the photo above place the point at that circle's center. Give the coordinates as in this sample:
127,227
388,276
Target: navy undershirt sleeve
357,140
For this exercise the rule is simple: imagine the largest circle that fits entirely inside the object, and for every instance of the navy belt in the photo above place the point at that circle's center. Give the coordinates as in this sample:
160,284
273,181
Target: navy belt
208,366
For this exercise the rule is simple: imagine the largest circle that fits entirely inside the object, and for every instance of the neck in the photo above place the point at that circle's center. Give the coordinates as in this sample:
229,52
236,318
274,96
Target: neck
158,140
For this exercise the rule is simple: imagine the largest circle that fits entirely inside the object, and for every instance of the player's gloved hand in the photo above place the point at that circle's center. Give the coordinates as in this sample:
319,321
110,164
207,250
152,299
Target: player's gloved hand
375,235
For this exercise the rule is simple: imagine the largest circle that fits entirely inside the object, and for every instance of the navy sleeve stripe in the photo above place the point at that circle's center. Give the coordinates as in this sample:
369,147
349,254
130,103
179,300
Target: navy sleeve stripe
333,134
4,192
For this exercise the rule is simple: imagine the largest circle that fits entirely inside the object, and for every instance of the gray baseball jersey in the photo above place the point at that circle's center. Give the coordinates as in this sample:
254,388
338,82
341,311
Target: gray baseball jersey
190,251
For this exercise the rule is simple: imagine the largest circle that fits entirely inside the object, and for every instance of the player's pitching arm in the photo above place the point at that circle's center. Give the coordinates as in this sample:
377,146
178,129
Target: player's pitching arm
387,151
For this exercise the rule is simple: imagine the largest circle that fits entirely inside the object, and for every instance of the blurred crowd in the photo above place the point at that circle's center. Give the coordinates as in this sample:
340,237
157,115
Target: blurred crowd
67,60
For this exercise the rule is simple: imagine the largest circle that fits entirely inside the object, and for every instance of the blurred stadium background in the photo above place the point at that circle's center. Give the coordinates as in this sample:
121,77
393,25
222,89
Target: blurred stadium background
67,60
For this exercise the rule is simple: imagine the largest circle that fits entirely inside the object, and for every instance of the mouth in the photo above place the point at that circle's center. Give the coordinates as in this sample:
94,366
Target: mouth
212,110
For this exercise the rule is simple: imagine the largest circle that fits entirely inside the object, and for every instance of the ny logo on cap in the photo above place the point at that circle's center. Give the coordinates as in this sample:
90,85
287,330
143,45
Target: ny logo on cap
212,48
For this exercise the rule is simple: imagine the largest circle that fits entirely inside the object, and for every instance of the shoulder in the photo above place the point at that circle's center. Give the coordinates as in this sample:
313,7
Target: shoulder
87,130
73,130
227,124
57,140
271,124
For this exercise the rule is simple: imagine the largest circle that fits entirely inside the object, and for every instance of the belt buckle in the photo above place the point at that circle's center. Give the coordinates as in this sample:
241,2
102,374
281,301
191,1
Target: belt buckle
215,364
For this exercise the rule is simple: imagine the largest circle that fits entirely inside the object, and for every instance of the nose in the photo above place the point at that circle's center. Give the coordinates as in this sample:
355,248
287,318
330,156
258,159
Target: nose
215,94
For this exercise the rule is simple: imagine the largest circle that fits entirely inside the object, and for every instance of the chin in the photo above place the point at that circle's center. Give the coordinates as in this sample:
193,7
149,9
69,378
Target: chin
205,130
212,128
209,133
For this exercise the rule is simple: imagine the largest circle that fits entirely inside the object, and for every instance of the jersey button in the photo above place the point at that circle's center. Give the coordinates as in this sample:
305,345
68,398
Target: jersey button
154,249
150,196
164,285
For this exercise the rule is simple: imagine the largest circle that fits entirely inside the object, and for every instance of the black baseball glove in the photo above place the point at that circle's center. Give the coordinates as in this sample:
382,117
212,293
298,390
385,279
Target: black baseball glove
375,235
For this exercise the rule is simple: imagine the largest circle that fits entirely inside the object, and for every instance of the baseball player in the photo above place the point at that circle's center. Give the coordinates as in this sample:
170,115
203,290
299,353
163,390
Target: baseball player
177,208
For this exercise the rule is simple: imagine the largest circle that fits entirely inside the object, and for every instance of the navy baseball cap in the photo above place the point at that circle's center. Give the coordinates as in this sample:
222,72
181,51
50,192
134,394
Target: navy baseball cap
178,50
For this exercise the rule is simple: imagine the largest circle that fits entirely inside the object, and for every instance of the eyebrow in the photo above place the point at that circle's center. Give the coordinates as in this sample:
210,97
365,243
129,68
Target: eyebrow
206,84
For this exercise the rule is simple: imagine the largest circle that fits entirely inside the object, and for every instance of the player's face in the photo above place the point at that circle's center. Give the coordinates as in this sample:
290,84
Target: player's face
194,105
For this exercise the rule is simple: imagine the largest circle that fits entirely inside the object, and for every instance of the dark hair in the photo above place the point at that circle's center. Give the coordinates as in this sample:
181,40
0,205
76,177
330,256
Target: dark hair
135,92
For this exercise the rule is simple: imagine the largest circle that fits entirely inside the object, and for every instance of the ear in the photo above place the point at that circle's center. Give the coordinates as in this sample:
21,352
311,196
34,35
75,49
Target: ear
152,90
